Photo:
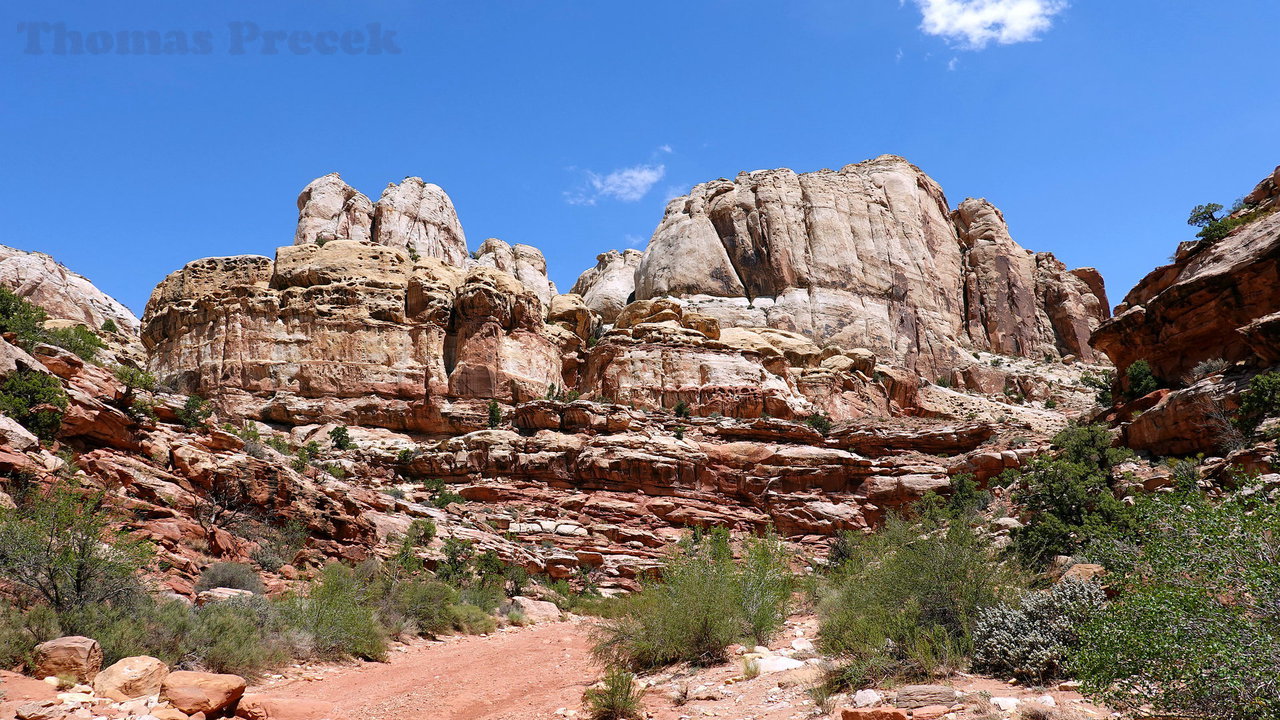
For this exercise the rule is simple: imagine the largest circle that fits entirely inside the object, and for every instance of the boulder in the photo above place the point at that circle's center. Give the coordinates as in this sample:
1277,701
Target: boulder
917,696
73,656
221,594
193,692
535,611
132,677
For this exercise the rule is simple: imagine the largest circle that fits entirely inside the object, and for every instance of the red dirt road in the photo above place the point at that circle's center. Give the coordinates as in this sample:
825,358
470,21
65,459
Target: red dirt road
525,674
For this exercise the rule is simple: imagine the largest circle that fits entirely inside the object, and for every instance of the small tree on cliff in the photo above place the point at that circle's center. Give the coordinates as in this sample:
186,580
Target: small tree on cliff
1204,215
495,414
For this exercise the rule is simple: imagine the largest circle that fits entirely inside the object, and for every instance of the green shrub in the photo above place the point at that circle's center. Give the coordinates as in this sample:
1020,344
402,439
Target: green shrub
1031,641
21,318
904,603
195,412
682,410
764,587
495,414
138,626
456,566
58,548
618,697
428,604
819,421
703,603
1141,380
109,326
336,617
1068,495
1195,627
241,636
230,575
78,339
340,437
472,620
35,400
21,631
1259,402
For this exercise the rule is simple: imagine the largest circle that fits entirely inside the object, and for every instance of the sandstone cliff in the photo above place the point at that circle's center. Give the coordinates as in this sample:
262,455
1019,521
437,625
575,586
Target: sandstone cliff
1218,301
870,257
63,294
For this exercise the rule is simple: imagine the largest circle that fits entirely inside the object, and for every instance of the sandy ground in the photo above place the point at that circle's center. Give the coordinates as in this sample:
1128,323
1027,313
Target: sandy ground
519,674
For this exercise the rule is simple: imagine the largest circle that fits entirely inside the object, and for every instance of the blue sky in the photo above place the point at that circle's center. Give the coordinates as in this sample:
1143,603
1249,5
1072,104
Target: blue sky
1093,125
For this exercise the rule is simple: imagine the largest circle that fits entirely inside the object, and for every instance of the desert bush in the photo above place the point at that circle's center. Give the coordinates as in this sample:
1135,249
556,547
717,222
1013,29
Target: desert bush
1195,627
1101,383
428,604
1141,380
472,620
278,546
1205,368
21,318
1032,640
904,602
617,697
764,587
495,414
335,616
57,547
229,575
819,421
1068,495
241,636
703,603
79,339
1259,402
682,410
21,631
138,626
195,412
110,326
340,437
35,400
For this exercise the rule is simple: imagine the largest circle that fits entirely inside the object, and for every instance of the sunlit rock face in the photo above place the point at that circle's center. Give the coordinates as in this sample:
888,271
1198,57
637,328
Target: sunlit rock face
870,256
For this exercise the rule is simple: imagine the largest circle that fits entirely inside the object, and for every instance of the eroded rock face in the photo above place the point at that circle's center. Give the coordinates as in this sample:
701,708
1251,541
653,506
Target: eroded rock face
330,209
347,330
611,284
869,256
413,215
523,262
1213,302
62,294
660,355
418,216
1019,301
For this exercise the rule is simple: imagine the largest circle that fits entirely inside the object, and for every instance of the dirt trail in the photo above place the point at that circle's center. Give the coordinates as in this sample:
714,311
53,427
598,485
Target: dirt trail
525,674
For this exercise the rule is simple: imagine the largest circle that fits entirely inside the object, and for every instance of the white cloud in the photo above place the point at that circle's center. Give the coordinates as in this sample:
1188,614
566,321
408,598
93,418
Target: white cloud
625,185
635,241
952,64
974,24
667,149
